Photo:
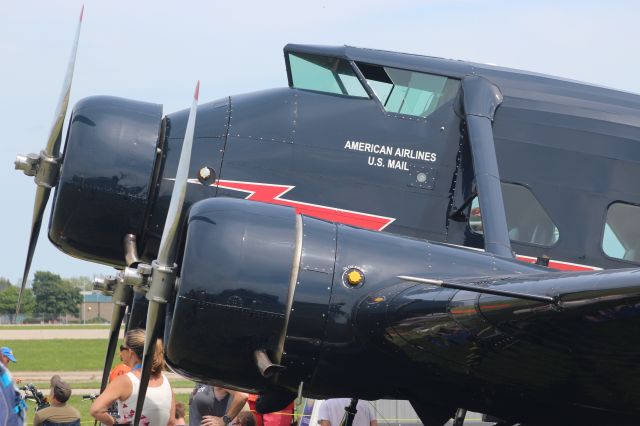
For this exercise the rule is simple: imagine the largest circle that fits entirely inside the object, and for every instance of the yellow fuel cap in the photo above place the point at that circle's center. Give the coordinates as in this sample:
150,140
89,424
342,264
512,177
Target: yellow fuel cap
353,277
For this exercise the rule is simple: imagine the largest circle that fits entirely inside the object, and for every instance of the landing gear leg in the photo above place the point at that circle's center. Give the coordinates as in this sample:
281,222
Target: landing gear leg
458,419
349,413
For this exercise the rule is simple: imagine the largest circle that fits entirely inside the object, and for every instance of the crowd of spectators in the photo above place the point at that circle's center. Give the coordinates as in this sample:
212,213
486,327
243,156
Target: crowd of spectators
208,405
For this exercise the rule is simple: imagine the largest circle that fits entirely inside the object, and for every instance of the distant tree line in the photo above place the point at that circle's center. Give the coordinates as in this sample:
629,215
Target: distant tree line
49,296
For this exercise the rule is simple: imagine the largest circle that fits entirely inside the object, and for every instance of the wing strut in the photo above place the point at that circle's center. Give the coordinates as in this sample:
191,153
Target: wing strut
480,99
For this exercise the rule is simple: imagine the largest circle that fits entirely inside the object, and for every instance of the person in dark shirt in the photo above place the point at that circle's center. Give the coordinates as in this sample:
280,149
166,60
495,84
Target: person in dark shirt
58,411
214,406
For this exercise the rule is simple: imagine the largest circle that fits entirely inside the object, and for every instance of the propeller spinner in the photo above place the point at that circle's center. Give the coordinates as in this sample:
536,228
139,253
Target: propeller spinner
45,166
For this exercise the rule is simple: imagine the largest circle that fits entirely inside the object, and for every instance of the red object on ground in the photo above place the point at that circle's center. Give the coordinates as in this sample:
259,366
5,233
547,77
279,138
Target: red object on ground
283,417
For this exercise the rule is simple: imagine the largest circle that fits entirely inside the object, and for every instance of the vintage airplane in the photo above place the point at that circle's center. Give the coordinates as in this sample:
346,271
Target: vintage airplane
268,208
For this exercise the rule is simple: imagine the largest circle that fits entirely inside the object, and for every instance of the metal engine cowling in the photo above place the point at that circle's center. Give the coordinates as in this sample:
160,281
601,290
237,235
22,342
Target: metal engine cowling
233,292
106,180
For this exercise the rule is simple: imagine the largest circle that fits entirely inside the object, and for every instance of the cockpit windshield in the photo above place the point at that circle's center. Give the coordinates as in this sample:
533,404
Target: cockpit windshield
325,74
409,92
399,91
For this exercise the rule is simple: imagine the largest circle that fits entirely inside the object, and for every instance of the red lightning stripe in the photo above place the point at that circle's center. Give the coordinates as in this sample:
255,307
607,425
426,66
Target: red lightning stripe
270,193
555,264
558,264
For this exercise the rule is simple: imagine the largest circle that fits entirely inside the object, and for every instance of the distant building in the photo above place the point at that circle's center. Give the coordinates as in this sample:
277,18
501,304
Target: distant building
95,306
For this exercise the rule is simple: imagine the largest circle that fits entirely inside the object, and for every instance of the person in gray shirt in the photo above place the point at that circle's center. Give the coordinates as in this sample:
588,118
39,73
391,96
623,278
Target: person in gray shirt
214,406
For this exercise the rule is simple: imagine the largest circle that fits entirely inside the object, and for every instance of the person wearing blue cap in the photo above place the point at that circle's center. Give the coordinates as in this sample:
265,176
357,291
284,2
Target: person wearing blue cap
12,404
6,355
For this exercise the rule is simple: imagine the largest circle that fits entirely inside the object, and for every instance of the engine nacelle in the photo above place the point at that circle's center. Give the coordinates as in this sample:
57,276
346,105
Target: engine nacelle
106,180
234,285
258,277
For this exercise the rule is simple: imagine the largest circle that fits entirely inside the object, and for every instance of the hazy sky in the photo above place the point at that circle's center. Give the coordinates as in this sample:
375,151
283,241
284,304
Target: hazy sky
156,50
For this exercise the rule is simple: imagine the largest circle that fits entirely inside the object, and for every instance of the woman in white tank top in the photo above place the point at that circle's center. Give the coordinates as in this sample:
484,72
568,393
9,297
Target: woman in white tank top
159,403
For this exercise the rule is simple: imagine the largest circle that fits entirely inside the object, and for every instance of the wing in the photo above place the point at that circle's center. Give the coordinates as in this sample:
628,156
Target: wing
505,352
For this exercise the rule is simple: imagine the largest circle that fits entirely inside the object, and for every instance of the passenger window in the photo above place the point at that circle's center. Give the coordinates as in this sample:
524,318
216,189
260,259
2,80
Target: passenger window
325,74
621,239
527,221
409,92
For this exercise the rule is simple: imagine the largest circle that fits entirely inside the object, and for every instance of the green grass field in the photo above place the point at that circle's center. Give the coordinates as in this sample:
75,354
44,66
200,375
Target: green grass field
65,355
58,354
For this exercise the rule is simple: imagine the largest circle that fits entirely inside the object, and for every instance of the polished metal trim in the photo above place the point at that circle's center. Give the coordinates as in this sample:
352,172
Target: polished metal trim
295,267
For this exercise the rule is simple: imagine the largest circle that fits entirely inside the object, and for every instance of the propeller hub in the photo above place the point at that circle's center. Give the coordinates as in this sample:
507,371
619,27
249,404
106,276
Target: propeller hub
27,163
137,277
48,170
105,285
44,167
163,279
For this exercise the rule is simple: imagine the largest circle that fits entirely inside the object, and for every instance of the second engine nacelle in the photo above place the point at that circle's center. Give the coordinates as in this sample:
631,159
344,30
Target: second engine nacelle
259,278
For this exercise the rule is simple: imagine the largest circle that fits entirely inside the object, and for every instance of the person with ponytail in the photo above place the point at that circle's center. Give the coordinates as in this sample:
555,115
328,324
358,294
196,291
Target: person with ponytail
159,404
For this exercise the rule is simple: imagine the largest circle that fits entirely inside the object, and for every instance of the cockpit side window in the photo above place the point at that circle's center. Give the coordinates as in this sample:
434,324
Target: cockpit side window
527,220
621,238
409,92
325,74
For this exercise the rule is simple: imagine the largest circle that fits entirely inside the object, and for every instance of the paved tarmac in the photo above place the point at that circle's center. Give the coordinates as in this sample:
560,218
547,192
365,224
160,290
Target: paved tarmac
80,376
55,333
71,376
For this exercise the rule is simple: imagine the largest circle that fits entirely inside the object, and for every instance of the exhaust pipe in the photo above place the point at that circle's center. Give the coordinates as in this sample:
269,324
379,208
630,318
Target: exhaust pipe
264,364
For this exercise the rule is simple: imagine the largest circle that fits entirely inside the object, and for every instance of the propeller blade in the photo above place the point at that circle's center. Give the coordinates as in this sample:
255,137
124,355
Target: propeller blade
122,297
52,148
166,253
42,195
46,172
163,276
